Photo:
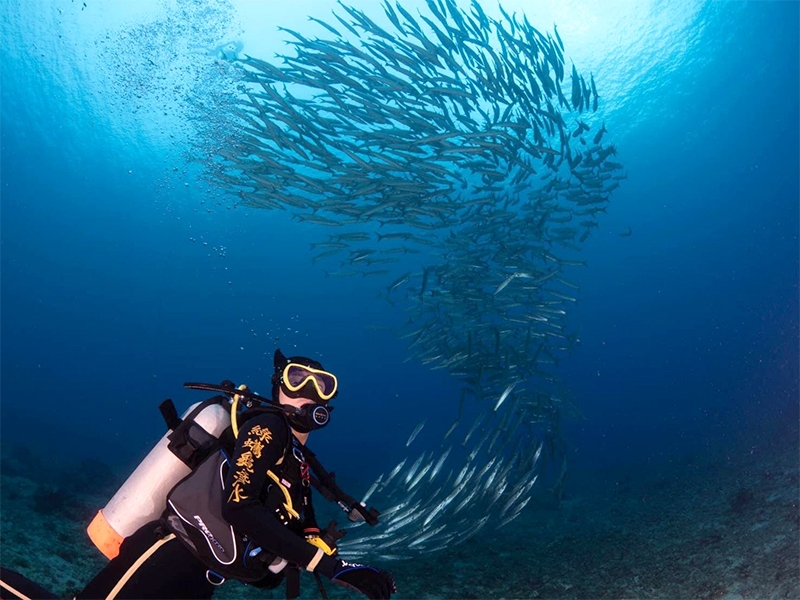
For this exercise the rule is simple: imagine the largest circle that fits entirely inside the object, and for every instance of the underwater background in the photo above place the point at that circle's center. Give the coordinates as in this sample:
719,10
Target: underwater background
128,270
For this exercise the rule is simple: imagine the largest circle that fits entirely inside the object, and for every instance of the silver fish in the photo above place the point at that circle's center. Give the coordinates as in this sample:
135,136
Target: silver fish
416,431
506,393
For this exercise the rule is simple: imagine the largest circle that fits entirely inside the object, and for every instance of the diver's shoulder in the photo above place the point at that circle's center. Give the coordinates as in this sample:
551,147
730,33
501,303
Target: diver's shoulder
265,418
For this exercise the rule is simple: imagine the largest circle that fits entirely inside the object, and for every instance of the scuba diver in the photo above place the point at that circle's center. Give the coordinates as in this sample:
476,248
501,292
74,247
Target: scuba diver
245,510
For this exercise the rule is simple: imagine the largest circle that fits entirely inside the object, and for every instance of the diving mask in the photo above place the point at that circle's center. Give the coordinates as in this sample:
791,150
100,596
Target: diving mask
296,379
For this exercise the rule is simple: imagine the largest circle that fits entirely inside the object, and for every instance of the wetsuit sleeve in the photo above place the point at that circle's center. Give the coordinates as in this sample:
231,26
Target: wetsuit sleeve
259,446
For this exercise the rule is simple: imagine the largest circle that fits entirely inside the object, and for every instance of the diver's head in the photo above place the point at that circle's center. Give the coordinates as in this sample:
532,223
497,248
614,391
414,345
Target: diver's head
304,385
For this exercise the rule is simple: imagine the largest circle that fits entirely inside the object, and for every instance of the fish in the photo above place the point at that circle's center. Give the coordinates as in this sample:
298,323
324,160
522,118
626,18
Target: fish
439,464
413,470
330,252
506,393
510,278
577,98
425,273
357,255
466,501
326,26
398,282
375,273
478,421
395,471
328,245
558,38
422,472
505,282
428,535
415,433
451,430
538,453
372,489
599,135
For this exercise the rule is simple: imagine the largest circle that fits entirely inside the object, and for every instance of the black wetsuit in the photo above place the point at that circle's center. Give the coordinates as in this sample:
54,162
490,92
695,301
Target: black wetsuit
272,511
170,572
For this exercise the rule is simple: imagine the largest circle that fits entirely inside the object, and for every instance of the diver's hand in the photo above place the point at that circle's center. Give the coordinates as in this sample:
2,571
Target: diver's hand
373,583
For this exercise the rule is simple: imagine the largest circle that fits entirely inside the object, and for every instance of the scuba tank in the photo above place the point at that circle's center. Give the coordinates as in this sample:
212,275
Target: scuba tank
142,497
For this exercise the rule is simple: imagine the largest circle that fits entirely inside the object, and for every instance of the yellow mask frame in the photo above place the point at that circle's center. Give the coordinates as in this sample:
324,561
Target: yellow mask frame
314,375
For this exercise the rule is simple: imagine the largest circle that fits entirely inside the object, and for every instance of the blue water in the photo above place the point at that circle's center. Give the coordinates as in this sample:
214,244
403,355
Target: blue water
688,328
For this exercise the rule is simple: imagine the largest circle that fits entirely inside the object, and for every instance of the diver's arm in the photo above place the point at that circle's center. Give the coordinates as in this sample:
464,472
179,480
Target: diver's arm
259,446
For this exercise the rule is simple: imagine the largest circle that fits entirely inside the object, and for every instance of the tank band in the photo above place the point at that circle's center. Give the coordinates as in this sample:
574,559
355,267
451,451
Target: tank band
104,536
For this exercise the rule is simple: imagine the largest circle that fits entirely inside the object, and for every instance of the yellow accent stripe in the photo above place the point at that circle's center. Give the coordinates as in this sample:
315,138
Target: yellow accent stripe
4,585
312,564
234,408
234,420
288,504
135,566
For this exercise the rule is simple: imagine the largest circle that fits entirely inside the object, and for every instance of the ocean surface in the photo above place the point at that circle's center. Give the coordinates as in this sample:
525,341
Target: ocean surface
129,265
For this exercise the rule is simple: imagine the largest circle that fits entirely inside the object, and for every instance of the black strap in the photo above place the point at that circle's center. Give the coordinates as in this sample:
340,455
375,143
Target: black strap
292,582
324,481
326,485
309,516
320,586
171,418
187,440
170,414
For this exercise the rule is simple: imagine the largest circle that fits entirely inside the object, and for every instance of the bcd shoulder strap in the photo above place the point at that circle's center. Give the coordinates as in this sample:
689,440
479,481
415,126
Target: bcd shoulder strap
188,441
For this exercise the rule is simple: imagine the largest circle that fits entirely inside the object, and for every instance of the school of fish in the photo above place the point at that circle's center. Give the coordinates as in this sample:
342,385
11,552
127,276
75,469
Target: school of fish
447,136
